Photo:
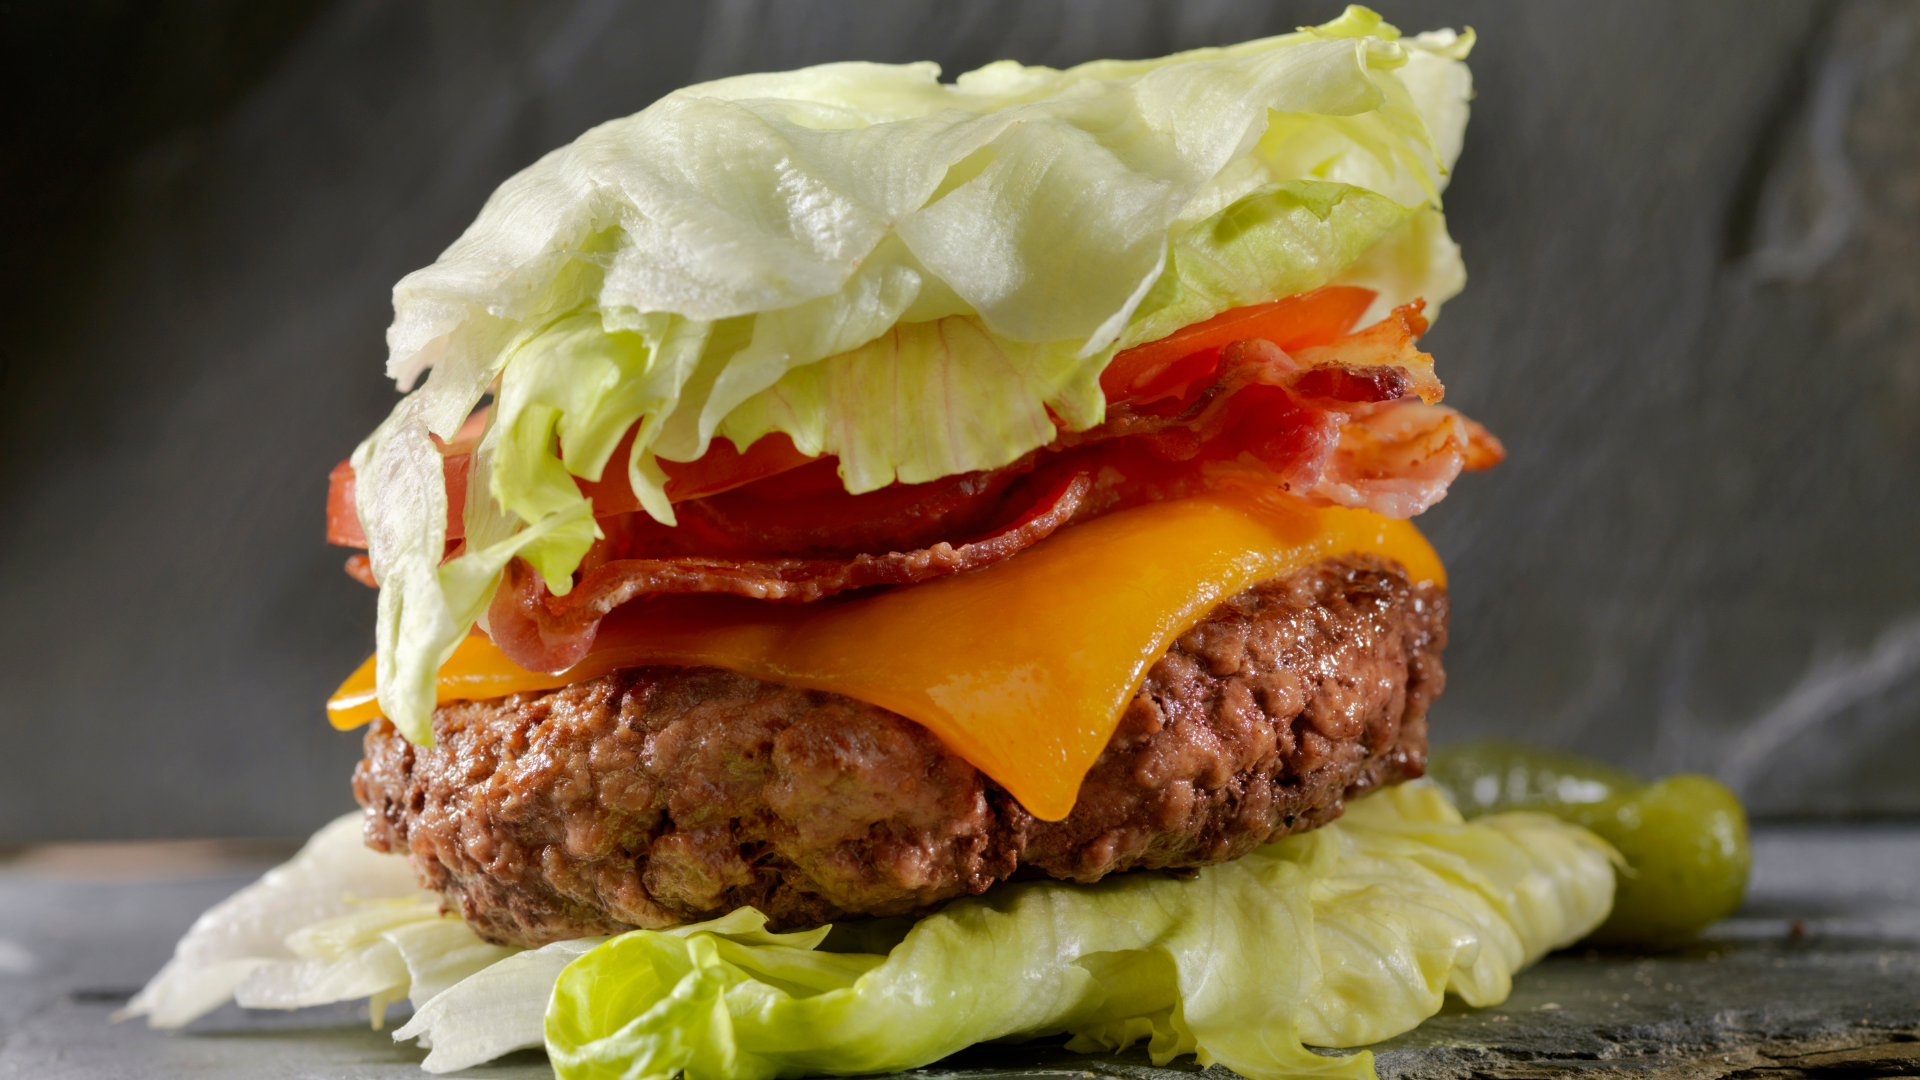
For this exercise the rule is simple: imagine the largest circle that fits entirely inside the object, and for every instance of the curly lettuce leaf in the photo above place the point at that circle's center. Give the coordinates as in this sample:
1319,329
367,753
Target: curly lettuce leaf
1338,937
918,277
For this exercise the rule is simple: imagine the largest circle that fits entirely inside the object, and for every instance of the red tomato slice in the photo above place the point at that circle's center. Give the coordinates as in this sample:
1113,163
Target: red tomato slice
722,468
343,521
1167,367
1158,369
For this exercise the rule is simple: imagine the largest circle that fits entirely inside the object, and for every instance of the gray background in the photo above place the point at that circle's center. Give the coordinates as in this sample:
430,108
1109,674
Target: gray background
1693,234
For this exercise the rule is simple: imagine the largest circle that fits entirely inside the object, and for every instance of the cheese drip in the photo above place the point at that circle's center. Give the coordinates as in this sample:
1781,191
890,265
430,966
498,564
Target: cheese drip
1022,668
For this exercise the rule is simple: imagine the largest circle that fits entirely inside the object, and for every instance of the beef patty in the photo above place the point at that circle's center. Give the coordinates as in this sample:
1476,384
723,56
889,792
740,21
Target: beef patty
659,795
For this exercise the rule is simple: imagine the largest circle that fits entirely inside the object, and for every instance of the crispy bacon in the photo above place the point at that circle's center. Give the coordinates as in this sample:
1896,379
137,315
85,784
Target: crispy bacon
1398,459
543,632
1352,384
1285,411
1351,422
1388,343
1484,448
1220,407
1173,365
808,513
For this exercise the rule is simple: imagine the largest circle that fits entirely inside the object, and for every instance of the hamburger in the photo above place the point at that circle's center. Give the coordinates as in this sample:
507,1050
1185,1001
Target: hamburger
869,565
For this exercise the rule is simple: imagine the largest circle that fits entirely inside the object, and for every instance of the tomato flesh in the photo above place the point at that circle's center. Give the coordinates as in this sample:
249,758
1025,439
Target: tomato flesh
1168,366
722,468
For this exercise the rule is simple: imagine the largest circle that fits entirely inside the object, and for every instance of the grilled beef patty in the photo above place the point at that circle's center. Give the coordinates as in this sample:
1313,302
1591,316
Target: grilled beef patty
660,795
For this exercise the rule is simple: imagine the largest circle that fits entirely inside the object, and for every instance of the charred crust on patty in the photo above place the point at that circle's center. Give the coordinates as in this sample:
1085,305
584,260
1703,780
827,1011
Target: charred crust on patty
656,796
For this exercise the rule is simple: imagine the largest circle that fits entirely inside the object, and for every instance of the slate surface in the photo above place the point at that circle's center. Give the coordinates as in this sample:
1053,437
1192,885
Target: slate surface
1819,975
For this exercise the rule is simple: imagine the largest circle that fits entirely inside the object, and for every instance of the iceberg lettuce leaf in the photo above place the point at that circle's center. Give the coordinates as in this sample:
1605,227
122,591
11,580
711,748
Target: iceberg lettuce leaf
307,933
494,1011
905,273
875,406
1276,240
1416,260
502,1008
1338,937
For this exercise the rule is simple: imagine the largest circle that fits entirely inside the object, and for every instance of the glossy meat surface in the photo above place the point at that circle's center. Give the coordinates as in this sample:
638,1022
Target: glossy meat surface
654,796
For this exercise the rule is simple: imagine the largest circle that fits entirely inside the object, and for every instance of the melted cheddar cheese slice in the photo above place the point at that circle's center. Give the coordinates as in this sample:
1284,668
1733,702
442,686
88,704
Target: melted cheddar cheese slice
1022,668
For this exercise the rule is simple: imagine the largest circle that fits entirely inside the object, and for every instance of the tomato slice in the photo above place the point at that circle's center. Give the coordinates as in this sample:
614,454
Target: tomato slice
343,520
722,468
1168,366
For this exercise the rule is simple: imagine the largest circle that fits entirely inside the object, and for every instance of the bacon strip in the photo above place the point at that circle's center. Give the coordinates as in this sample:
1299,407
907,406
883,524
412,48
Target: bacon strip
808,513
1399,459
542,632
1378,363
1353,423
1387,343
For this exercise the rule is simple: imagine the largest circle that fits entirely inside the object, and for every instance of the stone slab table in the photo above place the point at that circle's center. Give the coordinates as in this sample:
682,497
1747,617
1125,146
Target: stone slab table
1817,976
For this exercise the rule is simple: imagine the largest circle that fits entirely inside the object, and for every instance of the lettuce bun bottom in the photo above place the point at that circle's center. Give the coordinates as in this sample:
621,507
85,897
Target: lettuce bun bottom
1340,937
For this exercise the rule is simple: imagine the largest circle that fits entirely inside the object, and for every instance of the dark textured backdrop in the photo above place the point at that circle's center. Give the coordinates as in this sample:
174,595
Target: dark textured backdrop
1693,232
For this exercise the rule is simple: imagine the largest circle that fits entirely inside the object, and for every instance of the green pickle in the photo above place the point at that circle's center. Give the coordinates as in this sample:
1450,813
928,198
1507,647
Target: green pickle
1683,838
